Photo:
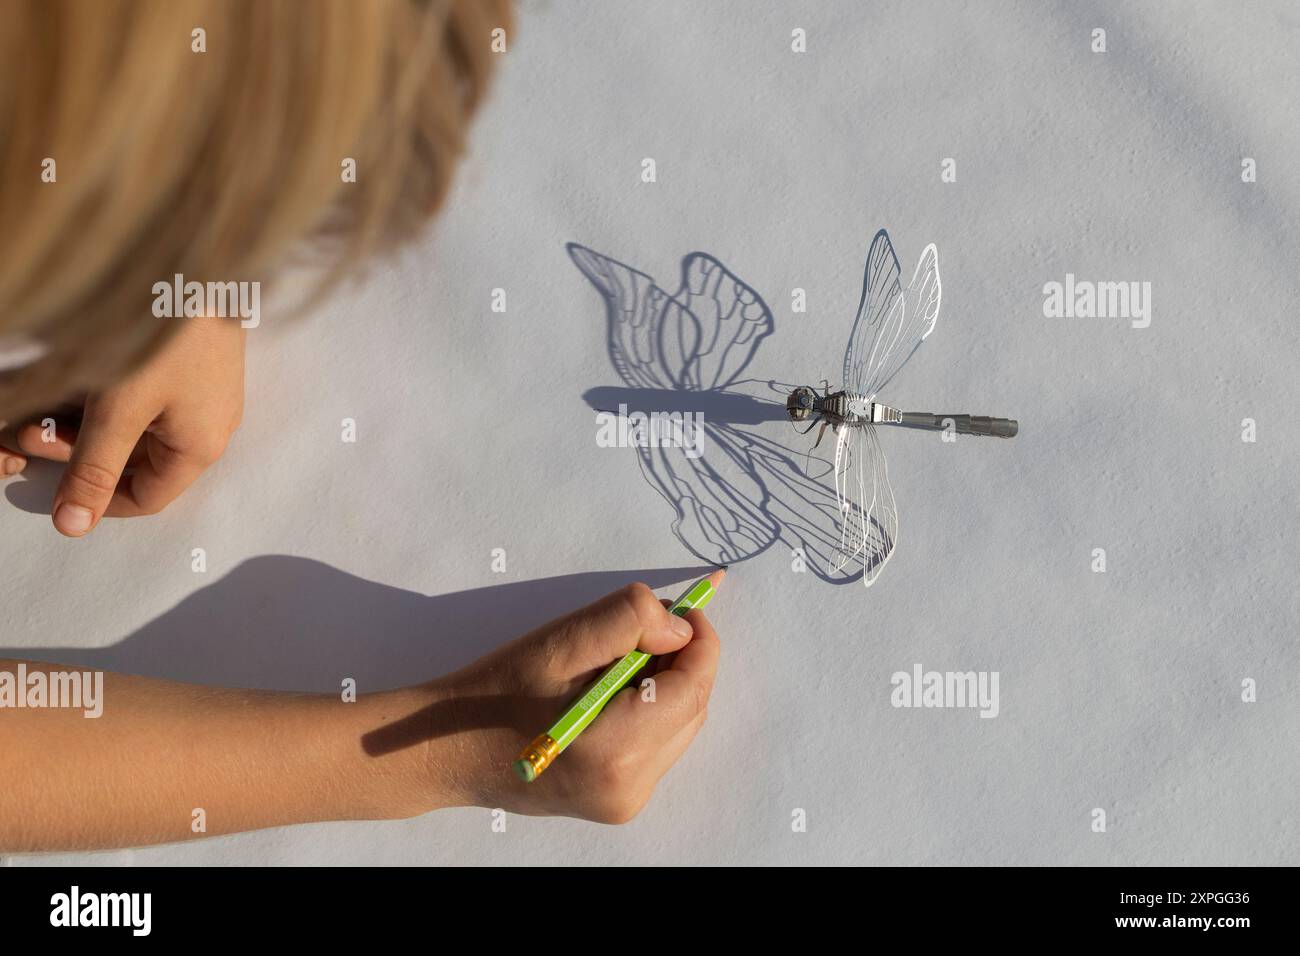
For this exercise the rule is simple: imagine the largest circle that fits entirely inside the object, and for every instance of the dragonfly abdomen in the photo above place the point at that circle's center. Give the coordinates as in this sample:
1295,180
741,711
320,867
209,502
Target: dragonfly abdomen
846,408
838,408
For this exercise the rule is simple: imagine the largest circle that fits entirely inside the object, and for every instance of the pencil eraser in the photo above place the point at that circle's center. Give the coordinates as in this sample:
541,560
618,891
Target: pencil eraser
525,770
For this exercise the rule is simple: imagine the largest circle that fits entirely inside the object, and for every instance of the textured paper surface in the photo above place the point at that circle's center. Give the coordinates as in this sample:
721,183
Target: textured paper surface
1119,691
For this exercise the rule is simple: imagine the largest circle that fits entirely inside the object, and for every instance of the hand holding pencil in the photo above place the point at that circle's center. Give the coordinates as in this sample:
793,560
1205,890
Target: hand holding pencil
575,718
276,758
491,708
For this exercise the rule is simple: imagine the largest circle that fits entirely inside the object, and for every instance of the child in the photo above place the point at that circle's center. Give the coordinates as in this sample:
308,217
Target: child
213,139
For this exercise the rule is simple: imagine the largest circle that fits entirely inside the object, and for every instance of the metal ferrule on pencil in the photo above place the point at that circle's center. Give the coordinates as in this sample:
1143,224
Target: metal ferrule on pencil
537,756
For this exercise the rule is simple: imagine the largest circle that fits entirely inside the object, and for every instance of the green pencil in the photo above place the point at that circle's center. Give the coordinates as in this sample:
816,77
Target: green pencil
539,754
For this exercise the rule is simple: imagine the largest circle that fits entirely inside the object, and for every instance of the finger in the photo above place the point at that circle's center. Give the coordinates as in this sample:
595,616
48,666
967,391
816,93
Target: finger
699,658
31,439
629,619
681,695
52,442
11,462
666,661
662,661
108,435
160,476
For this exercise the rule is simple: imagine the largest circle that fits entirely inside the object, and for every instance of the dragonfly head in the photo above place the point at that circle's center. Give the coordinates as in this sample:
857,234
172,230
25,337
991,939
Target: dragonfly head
801,403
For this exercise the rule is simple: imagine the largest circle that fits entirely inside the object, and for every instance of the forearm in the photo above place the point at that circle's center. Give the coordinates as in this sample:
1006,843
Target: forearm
164,755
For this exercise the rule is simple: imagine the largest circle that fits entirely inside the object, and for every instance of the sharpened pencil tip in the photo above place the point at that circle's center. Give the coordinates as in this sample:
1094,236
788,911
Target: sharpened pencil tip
716,577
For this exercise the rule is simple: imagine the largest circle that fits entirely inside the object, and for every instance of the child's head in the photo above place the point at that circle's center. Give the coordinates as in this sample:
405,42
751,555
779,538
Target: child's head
209,138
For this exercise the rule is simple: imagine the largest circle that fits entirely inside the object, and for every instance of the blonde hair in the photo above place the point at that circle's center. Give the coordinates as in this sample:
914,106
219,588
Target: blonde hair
212,164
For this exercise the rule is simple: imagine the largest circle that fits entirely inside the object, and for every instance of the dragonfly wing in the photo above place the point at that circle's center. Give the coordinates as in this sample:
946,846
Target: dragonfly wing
891,323
881,294
879,512
852,531
868,515
914,323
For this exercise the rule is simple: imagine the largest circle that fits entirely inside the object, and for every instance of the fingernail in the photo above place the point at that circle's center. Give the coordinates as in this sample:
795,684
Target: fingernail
13,466
73,519
681,627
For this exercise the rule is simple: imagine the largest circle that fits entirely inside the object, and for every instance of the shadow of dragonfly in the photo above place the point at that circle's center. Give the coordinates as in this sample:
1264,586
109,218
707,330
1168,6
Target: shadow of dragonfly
739,492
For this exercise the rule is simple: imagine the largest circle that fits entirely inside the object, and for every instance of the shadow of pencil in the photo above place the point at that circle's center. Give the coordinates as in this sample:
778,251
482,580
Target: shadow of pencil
289,623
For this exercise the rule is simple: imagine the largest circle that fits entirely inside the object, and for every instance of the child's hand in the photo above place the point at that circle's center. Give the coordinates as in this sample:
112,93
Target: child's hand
486,713
169,421
264,759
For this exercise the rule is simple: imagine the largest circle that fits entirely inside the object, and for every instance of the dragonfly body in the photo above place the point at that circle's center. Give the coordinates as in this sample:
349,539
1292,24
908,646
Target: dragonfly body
891,323
851,410
839,408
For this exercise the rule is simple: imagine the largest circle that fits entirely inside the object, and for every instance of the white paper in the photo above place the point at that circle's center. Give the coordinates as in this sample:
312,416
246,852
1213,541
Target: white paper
1118,690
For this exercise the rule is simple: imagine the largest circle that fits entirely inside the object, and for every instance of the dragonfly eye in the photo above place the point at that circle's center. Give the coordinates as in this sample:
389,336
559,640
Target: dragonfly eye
800,404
